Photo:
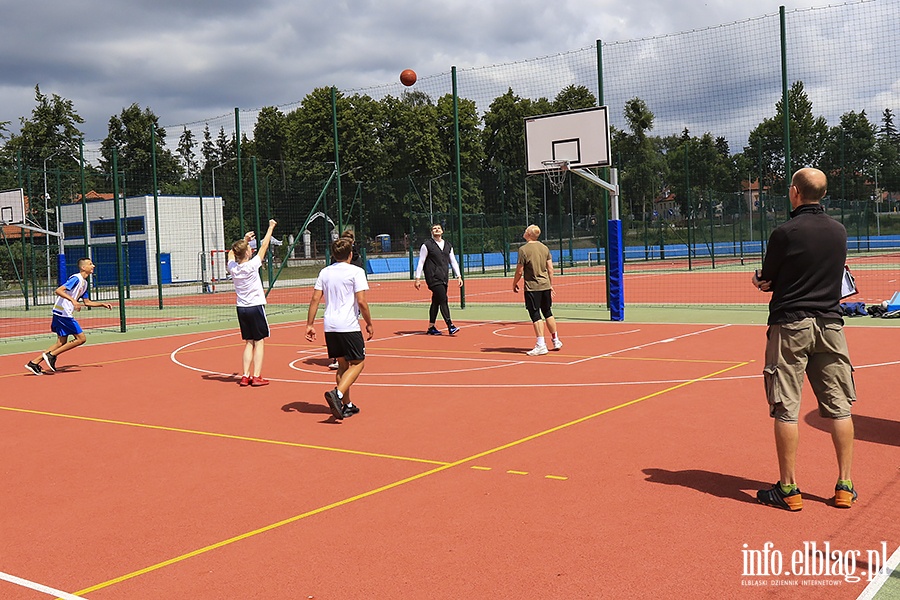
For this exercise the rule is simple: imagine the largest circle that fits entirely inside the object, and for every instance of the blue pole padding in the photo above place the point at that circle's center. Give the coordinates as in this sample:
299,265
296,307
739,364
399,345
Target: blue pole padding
616,271
61,263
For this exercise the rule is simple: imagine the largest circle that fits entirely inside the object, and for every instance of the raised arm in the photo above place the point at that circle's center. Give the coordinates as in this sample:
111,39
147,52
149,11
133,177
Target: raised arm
264,245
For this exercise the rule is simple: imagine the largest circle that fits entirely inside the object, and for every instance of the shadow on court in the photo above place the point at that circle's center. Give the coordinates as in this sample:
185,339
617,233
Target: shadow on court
317,362
232,379
507,350
306,407
717,484
866,429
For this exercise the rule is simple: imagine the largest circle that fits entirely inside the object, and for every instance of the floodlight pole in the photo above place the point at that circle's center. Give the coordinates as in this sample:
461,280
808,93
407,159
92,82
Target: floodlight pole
430,204
213,170
47,218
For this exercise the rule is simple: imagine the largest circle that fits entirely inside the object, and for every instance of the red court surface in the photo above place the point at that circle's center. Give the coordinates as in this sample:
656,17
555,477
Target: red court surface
623,466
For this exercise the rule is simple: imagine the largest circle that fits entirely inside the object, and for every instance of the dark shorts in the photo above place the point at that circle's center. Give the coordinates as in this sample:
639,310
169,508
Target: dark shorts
346,344
254,325
64,326
537,303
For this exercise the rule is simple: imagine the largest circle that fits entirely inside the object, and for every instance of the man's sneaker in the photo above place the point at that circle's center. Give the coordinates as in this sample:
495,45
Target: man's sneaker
335,404
557,344
245,381
537,350
334,365
350,410
844,497
258,381
452,329
775,497
51,361
36,369
433,331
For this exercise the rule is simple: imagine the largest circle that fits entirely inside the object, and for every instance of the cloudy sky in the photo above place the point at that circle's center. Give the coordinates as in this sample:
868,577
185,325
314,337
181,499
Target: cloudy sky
191,61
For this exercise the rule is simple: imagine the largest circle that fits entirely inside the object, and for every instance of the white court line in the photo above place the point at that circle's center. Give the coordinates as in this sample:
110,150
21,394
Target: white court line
494,364
878,582
665,341
362,383
38,587
498,333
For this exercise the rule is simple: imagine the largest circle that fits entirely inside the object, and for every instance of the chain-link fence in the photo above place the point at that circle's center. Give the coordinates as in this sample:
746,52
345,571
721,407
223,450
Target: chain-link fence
697,138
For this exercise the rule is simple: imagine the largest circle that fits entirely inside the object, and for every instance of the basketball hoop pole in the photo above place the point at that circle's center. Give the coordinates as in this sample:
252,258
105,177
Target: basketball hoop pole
612,186
615,243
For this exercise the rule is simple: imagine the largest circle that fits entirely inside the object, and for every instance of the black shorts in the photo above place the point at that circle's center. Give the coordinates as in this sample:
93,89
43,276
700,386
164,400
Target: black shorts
253,322
537,303
346,344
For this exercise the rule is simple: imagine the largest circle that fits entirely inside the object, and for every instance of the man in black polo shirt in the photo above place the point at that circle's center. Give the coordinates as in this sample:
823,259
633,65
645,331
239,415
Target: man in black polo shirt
435,259
802,269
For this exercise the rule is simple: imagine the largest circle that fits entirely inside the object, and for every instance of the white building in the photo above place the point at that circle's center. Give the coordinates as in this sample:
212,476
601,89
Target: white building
186,244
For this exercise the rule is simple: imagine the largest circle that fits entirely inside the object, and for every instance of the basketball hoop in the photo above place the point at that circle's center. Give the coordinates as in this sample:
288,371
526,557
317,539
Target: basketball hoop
555,170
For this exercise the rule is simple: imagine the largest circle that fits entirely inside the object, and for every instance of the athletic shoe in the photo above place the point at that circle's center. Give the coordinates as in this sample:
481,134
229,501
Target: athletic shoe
258,381
451,329
36,369
334,365
537,350
557,344
51,361
433,331
844,497
335,404
245,381
350,410
775,497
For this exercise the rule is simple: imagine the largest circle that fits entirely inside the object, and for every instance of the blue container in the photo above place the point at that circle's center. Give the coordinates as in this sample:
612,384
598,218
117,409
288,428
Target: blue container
384,240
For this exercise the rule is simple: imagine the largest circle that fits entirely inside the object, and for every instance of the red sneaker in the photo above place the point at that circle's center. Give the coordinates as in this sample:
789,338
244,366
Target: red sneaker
258,381
245,381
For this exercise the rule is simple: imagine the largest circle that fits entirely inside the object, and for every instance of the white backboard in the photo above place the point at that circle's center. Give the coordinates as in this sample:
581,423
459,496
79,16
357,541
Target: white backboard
12,206
580,137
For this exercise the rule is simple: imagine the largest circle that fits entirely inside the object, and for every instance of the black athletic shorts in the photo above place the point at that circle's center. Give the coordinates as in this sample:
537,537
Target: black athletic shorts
346,344
254,325
537,303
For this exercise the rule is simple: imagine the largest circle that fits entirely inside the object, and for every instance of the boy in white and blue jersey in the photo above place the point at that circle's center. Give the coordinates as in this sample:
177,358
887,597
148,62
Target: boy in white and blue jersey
71,295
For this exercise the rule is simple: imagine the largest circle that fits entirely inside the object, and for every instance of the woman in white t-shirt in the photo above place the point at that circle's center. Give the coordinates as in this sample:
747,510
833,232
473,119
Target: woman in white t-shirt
251,303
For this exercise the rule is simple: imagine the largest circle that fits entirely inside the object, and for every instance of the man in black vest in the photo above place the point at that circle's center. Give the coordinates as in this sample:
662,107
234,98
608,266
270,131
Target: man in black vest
435,259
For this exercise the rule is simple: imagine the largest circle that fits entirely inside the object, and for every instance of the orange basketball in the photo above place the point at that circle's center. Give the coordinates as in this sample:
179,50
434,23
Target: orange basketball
408,77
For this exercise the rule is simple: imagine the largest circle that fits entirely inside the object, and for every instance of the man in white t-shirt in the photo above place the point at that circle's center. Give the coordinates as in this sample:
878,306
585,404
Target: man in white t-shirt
70,296
251,303
343,288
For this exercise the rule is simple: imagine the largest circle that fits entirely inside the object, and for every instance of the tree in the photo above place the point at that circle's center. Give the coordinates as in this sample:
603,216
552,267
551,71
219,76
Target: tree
52,129
186,153
808,135
851,157
574,97
208,148
888,151
269,138
642,164
130,136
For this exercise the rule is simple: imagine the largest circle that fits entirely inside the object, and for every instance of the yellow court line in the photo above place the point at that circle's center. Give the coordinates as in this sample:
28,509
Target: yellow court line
393,485
226,436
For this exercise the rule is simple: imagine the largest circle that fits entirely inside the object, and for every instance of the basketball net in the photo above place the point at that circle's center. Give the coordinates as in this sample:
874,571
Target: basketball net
555,170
